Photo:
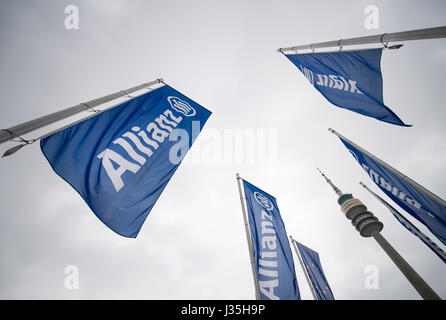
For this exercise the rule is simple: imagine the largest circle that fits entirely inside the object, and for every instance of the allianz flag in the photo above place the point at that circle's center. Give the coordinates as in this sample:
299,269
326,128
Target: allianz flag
422,205
409,226
348,79
121,160
314,270
272,253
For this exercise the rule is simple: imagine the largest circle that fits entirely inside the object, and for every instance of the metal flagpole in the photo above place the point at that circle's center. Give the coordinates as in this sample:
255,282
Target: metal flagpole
20,129
428,33
399,174
303,268
407,223
248,236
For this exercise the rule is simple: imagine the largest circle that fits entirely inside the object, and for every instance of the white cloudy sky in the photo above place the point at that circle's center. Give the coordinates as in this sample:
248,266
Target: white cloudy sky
223,55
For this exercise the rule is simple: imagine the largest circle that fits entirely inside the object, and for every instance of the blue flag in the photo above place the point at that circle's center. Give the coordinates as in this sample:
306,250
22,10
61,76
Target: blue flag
423,206
272,253
414,230
121,160
348,79
317,277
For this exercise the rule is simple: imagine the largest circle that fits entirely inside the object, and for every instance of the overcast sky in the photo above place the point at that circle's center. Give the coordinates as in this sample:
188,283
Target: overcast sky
222,54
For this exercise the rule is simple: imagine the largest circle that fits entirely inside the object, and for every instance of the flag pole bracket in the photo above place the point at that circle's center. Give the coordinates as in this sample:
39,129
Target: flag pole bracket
21,139
90,109
126,94
23,142
340,44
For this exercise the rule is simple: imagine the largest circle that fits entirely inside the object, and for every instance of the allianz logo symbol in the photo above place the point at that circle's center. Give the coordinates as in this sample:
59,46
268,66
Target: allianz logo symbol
263,201
181,106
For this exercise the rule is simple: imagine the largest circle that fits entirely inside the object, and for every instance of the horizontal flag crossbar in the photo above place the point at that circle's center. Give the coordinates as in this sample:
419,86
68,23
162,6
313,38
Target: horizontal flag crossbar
428,33
15,131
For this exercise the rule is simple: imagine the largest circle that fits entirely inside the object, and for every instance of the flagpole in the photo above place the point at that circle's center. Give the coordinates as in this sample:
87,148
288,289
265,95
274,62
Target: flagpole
303,268
20,129
248,236
407,223
420,34
399,174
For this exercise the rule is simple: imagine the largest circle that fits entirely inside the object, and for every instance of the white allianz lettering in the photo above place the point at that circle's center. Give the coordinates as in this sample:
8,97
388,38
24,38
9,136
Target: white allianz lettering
389,187
267,288
268,264
147,142
137,142
115,174
331,81
131,152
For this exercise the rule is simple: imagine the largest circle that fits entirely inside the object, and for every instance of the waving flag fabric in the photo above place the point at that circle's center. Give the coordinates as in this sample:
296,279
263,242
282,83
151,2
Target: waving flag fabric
121,160
314,270
414,230
272,253
348,79
424,206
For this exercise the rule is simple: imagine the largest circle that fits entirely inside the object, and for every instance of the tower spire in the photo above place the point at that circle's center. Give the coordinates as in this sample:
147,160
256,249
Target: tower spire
338,191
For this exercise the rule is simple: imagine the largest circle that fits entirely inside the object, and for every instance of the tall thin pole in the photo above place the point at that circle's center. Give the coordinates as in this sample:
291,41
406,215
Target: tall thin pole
414,278
408,224
303,268
428,33
336,189
248,237
20,129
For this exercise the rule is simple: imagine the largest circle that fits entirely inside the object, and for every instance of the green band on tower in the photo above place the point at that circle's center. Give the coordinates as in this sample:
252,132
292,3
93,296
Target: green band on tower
344,198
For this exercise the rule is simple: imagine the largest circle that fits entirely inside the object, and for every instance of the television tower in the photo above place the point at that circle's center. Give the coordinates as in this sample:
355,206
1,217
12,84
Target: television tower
369,226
